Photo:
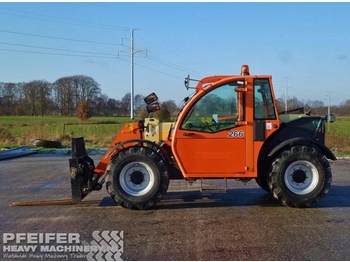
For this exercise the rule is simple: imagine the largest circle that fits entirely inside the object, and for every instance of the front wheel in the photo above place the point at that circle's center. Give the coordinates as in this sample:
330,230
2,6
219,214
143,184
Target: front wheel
300,177
137,178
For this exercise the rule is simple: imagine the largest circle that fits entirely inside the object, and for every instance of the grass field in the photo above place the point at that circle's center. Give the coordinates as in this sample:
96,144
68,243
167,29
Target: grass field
338,136
97,131
100,131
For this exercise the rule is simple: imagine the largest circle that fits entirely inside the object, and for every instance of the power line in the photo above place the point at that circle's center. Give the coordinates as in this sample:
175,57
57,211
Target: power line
152,69
173,65
94,42
155,59
57,54
85,52
173,47
57,49
60,38
46,53
79,23
158,71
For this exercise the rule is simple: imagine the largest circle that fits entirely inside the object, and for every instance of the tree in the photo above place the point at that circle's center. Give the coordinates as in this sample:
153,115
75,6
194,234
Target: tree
139,103
31,93
101,105
112,106
125,104
64,91
345,107
82,110
44,92
37,94
86,88
9,92
212,104
294,103
171,106
70,90
163,114
317,107
20,106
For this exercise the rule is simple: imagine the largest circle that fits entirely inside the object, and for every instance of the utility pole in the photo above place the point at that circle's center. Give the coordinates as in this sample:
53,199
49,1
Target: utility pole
285,95
132,74
329,106
132,89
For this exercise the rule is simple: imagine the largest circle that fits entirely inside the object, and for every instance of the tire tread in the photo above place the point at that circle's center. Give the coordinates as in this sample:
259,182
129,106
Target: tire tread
289,198
141,204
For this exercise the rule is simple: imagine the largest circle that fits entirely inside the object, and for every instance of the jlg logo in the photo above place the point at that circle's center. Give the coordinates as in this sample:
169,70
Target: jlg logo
235,134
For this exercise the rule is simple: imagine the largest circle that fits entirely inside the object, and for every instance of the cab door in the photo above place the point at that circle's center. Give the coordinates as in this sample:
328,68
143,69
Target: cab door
210,140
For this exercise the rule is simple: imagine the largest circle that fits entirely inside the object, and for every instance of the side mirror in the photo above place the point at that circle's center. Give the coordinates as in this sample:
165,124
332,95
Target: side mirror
150,98
153,107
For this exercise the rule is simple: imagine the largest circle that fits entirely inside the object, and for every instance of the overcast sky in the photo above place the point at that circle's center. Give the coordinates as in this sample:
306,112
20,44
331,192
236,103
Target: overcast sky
307,42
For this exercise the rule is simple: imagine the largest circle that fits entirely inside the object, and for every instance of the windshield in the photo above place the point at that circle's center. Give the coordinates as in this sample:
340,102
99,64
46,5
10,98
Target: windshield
183,103
214,111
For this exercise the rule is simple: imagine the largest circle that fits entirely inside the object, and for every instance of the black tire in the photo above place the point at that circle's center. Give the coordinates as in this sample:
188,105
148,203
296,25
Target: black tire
46,143
137,178
263,183
300,177
263,175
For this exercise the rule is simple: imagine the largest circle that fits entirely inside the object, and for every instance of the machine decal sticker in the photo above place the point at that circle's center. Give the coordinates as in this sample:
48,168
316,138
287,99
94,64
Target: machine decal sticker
236,134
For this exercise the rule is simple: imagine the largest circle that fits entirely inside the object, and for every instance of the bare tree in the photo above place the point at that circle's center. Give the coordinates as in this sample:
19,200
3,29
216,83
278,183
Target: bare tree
70,90
64,90
9,92
344,108
20,103
112,106
139,103
86,88
125,104
44,96
31,93
101,107
37,94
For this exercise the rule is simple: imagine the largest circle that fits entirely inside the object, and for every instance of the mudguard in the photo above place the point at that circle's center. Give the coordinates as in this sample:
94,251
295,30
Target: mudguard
142,142
304,141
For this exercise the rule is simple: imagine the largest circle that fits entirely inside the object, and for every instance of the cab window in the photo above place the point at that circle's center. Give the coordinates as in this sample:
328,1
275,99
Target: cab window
215,111
263,103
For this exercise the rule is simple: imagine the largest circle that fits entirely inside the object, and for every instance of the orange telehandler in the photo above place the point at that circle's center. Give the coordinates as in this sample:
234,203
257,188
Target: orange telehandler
228,129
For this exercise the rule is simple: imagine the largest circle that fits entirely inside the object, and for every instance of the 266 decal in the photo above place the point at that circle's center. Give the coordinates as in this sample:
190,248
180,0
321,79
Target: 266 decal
235,134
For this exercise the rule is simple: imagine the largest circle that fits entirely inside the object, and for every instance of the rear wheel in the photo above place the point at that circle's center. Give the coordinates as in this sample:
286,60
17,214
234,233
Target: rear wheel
300,177
137,178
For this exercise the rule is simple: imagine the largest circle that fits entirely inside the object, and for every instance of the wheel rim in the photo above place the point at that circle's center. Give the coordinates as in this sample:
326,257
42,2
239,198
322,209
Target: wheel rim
301,177
136,179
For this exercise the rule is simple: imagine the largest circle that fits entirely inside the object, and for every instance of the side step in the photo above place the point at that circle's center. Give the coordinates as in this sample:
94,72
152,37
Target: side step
213,190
